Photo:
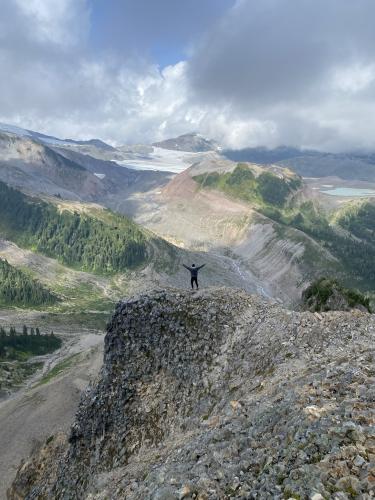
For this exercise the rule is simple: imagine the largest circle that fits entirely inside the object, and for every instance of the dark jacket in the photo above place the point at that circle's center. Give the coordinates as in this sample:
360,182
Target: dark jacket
194,270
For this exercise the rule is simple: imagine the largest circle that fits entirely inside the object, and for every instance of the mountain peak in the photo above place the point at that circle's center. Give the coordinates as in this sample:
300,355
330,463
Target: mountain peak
190,142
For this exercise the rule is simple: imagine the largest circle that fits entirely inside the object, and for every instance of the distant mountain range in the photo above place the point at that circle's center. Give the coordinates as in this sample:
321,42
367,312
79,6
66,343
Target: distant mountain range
29,162
359,166
309,163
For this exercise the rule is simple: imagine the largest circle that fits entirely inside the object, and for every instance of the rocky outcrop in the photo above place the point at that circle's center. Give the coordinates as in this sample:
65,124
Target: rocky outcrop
216,395
194,143
327,294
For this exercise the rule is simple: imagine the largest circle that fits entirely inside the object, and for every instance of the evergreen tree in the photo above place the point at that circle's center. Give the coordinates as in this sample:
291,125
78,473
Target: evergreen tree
76,239
17,288
18,345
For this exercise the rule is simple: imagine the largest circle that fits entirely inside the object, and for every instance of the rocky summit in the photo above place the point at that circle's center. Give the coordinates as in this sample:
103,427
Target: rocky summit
217,395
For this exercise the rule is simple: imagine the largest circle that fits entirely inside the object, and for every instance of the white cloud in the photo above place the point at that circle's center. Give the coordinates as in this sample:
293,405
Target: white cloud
305,68
353,79
271,72
63,22
56,86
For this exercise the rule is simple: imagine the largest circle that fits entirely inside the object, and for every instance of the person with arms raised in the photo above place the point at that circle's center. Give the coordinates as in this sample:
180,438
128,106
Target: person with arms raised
194,274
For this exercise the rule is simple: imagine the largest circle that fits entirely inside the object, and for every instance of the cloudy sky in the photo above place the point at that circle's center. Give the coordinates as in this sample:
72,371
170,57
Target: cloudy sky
245,72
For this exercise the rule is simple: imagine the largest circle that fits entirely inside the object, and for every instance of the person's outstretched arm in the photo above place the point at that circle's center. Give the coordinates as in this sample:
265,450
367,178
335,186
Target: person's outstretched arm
187,267
200,267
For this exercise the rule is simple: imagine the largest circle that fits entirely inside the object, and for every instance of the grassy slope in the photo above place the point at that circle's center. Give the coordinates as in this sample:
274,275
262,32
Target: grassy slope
79,240
279,200
264,190
85,254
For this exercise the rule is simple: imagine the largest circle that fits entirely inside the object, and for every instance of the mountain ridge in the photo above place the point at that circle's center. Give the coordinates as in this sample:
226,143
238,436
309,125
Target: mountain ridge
218,395
191,142
358,166
51,140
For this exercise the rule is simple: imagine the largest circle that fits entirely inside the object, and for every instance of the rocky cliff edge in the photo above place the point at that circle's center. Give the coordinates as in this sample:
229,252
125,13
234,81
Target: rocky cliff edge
216,395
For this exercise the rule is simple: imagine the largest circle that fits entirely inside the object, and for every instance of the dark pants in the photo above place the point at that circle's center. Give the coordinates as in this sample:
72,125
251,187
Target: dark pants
194,280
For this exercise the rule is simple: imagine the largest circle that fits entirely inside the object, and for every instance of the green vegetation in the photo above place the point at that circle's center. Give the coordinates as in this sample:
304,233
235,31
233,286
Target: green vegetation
327,294
16,349
13,374
75,239
356,255
83,296
267,189
50,439
275,190
58,369
270,194
74,320
360,221
22,346
19,289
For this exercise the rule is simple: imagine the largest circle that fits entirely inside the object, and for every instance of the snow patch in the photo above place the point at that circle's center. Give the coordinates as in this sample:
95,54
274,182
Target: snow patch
164,160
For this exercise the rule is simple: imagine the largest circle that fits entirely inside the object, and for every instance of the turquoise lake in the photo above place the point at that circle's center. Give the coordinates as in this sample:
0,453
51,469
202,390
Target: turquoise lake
350,192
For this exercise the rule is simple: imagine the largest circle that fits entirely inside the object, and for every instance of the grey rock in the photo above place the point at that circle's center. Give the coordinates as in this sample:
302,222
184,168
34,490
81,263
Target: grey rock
195,393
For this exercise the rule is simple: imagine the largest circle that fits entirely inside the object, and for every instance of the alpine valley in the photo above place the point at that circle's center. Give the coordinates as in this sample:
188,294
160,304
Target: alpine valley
287,237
